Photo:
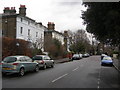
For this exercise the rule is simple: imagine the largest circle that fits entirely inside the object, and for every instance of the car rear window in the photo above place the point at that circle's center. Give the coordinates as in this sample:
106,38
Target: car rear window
107,58
75,55
37,58
10,59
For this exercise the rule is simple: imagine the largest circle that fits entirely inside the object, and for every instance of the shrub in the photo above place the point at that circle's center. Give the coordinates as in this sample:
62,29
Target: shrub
12,46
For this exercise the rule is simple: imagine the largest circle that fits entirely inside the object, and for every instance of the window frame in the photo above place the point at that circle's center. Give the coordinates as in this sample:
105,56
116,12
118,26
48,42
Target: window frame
21,30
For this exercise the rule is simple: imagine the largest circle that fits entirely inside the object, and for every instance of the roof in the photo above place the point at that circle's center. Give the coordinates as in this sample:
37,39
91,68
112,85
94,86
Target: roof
17,56
18,15
26,17
54,31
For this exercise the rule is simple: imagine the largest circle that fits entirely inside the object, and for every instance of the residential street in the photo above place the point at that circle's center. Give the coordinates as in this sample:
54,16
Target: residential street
83,73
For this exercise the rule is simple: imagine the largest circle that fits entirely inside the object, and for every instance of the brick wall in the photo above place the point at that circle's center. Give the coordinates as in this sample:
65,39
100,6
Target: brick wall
9,26
47,40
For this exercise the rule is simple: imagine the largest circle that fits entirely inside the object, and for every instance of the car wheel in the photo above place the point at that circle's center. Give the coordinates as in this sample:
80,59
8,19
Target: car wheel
44,67
112,65
4,74
36,68
22,72
52,65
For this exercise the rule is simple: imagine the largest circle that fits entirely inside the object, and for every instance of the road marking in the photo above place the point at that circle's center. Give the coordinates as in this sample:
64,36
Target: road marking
75,69
59,77
99,79
98,82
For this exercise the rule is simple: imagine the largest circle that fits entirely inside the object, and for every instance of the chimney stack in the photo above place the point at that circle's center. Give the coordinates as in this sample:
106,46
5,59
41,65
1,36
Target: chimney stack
22,10
8,10
13,11
66,33
51,26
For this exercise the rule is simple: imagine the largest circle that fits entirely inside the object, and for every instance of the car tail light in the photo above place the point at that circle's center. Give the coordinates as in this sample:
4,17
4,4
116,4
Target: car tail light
38,61
15,64
42,62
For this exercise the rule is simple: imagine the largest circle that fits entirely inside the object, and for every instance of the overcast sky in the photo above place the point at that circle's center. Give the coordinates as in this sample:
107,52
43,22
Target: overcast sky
64,13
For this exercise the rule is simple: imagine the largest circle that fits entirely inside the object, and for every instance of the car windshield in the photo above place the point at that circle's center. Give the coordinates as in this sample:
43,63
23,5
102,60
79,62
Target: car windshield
75,55
37,58
47,58
10,59
107,58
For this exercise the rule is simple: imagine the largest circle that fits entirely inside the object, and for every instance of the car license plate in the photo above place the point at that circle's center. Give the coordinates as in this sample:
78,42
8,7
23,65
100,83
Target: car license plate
6,68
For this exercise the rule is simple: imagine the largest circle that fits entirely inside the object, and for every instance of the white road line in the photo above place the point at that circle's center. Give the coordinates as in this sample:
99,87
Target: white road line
98,87
75,69
98,82
59,77
99,79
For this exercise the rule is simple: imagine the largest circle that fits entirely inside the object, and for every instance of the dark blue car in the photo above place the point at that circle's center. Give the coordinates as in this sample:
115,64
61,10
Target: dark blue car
107,60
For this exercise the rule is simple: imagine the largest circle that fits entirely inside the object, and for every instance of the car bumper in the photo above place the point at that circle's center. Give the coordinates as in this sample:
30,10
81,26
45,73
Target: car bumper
41,65
10,71
107,63
75,58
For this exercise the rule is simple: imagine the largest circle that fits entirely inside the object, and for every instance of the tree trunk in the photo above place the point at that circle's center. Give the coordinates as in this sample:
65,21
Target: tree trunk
119,51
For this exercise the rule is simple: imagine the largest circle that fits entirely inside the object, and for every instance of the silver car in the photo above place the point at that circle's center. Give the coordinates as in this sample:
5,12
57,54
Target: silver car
86,55
76,57
44,61
81,56
18,64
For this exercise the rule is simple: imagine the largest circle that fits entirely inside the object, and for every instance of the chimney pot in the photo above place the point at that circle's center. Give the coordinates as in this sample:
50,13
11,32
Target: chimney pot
51,26
12,8
22,10
22,5
8,10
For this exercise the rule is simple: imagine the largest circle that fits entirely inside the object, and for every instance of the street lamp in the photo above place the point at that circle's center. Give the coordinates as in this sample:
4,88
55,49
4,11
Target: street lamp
17,44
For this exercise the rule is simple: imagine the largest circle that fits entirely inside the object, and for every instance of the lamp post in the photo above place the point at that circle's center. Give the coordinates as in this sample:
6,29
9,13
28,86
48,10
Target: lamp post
17,44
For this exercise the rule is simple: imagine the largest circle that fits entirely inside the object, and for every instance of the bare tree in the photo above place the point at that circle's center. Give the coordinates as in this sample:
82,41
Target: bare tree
38,43
80,41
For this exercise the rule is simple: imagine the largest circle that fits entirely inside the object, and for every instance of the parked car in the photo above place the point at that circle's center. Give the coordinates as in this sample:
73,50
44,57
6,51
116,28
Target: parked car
44,61
76,57
18,64
81,56
107,60
103,55
86,55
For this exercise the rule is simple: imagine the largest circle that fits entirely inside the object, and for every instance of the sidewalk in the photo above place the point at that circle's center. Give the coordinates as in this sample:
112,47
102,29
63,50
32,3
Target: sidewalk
116,63
62,60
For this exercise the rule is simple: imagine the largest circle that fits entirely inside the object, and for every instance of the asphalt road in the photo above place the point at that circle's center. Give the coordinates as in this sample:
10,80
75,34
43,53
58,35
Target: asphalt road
84,73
